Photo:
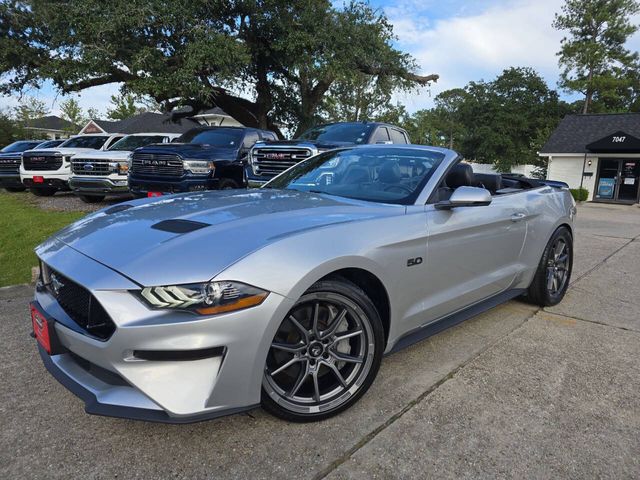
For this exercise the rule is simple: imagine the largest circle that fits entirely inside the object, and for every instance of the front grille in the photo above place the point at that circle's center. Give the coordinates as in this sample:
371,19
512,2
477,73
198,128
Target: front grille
164,164
90,166
80,305
9,164
275,160
42,162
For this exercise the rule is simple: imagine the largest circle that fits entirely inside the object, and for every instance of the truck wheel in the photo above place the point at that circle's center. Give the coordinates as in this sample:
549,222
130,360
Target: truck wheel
15,189
91,198
43,192
227,184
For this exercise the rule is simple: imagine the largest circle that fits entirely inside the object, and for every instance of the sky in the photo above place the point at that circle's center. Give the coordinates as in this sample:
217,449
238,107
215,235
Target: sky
459,40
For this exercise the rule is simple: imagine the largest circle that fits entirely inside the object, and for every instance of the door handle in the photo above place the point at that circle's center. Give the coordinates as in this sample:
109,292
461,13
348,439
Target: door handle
516,217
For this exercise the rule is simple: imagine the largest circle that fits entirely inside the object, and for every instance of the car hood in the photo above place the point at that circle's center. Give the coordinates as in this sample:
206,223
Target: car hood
192,151
61,151
226,226
104,154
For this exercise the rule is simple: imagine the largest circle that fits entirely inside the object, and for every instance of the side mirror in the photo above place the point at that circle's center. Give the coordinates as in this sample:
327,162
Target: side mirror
466,197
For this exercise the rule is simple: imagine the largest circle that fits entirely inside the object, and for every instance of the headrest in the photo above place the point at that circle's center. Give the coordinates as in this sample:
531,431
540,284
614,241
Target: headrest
390,173
461,175
490,181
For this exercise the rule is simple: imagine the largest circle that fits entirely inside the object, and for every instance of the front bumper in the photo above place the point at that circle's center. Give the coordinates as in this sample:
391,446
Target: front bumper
144,185
51,178
10,179
114,381
101,185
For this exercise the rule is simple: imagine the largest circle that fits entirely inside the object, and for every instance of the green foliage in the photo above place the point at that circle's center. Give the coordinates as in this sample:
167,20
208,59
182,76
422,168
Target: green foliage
72,112
503,122
579,194
593,56
122,106
24,226
29,109
10,130
200,54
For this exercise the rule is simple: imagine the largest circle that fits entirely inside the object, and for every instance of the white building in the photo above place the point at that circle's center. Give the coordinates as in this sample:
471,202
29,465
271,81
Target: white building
599,152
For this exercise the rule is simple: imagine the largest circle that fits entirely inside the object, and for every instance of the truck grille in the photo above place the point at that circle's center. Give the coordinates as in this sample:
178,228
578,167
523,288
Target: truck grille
157,164
90,166
271,161
9,164
42,162
80,305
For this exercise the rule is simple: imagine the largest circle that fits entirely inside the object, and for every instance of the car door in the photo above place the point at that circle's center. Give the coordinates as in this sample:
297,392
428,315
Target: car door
473,253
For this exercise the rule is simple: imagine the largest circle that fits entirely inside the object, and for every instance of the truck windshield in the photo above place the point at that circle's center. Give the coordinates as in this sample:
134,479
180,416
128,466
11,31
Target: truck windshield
356,133
85,141
19,147
136,141
218,137
385,175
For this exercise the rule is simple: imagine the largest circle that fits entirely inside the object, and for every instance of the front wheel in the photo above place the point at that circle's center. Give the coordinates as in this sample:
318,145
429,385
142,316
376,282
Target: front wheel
552,277
325,354
91,198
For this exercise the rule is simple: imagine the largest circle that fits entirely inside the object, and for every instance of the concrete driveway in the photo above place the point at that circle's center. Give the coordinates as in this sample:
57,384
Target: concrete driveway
516,392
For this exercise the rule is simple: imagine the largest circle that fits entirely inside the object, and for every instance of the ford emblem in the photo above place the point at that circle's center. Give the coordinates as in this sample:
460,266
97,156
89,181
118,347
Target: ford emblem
88,166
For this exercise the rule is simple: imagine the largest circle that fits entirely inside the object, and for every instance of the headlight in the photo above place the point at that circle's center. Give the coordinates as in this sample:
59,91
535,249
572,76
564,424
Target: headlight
199,166
208,298
123,167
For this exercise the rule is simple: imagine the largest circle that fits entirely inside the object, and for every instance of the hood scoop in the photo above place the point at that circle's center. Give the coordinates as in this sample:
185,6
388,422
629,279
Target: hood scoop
179,226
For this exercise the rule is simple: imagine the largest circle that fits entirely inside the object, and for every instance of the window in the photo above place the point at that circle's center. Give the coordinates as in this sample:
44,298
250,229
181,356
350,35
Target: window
340,132
85,141
269,136
250,139
131,142
397,136
381,135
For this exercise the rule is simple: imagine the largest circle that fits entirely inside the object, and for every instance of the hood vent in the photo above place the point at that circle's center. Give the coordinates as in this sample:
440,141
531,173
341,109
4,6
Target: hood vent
179,226
117,208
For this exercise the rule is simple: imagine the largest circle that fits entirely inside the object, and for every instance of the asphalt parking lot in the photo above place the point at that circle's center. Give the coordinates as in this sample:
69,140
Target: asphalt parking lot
516,392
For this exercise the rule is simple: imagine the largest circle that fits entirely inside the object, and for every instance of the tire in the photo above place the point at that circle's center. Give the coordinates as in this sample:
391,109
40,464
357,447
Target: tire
552,277
91,198
15,189
44,191
324,364
227,184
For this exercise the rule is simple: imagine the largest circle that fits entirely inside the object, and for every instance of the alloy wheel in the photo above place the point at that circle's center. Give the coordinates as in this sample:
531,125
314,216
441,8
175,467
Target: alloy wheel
320,355
558,266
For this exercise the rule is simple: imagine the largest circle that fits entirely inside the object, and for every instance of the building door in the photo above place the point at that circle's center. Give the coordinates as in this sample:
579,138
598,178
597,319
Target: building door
618,180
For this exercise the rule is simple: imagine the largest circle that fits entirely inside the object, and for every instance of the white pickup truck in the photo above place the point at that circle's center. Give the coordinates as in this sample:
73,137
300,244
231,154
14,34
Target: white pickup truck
95,174
45,171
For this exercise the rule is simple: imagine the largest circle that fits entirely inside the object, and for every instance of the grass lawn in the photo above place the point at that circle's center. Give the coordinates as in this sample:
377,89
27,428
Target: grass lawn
22,228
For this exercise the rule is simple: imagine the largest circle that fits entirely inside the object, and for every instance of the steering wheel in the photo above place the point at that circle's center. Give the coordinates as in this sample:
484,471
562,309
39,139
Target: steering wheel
403,188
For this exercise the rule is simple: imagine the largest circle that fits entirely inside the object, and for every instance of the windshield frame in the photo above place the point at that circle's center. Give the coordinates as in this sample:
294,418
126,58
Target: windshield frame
410,199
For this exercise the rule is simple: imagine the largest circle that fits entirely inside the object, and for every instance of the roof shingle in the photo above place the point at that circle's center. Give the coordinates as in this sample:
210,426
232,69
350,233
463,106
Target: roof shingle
575,132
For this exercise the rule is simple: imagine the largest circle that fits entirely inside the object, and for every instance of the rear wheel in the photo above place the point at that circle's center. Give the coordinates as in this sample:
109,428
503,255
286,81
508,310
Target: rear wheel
554,270
91,198
15,189
325,354
43,191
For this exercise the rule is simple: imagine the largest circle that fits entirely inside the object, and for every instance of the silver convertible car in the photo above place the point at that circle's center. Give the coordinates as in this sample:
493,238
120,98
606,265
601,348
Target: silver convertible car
191,306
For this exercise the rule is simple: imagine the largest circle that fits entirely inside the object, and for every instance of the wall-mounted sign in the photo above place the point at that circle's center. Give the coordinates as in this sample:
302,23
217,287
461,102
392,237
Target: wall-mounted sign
606,186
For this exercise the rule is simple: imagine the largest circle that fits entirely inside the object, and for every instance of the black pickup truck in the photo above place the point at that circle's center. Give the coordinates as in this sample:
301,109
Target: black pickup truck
204,158
270,158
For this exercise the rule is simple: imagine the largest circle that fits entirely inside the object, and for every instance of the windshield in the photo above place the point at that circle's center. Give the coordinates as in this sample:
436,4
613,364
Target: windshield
218,137
357,133
50,144
132,142
381,174
85,141
19,147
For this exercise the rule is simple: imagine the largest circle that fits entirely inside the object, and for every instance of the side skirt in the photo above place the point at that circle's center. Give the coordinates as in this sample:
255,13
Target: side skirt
449,321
